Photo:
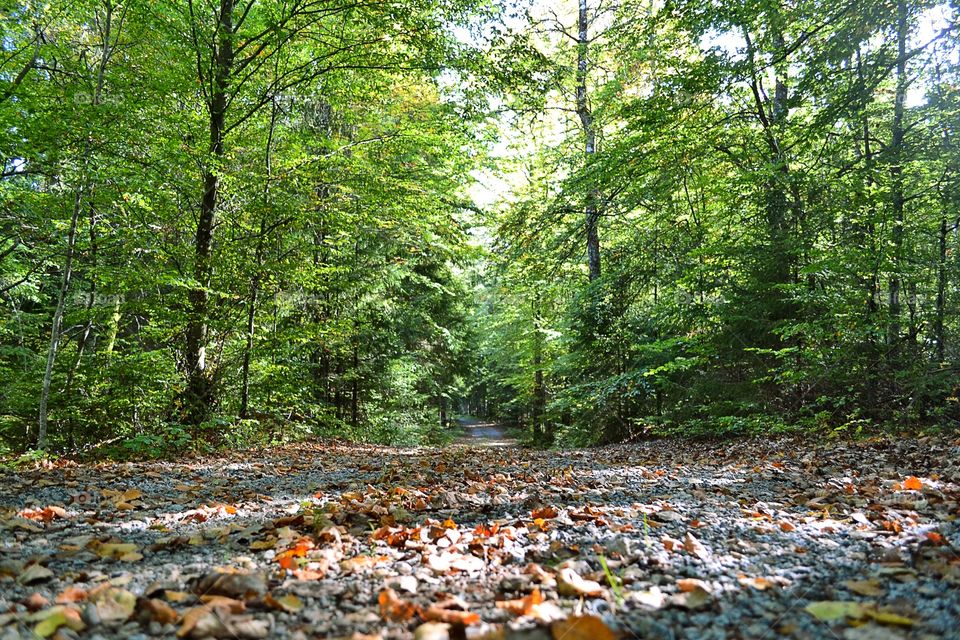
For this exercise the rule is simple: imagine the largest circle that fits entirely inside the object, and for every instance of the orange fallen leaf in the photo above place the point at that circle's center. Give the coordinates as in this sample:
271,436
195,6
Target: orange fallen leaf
522,606
71,595
759,583
395,609
688,585
359,563
912,483
46,514
36,601
581,628
450,616
308,574
935,538
159,611
544,513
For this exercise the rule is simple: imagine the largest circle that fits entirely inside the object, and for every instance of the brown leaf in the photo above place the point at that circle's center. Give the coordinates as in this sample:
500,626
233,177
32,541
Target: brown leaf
210,621
154,609
244,586
544,513
289,603
871,588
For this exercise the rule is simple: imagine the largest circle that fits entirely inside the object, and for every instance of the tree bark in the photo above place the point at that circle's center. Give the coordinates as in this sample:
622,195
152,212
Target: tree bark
200,393
896,179
591,210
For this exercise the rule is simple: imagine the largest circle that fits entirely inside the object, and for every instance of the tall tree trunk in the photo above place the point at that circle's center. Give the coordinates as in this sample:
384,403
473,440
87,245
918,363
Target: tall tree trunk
896,177
870,282
772,115
78,200
200,395
591,210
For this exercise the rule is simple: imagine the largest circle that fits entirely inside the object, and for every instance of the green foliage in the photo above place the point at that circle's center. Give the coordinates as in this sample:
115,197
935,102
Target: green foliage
334,296
777,227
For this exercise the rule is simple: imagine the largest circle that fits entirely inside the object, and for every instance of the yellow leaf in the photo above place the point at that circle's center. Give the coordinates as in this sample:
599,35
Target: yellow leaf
885,617
871,588
49,620
828,610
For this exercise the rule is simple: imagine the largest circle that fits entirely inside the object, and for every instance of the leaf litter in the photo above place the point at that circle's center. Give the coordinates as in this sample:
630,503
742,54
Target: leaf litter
667,539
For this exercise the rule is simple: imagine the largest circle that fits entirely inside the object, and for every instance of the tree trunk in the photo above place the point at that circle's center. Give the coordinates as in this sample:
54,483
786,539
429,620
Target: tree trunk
591,210
896,176
200,393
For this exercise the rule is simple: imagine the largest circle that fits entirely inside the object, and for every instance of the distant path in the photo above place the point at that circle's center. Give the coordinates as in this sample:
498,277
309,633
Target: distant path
481,433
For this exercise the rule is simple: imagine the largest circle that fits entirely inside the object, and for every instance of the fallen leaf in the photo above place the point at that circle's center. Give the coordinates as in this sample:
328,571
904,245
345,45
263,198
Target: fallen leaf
45,515
522,606
289,603
886,617
35,601
395,609
113,604
33,574
544,513
587,627
830,610
432,631
693,546
452,616
570,583
243,586
694,594
49,620
211,621
652,597
913,483
872,588
359,563
122,551
71,595
759,583
156,610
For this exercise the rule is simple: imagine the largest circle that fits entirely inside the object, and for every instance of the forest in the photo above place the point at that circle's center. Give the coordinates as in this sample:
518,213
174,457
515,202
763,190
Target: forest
248,222
479,319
